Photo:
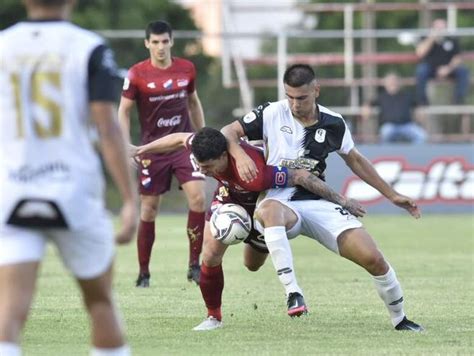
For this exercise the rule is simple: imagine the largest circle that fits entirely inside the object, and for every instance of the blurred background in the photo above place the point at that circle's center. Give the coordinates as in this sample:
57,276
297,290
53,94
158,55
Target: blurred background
241,48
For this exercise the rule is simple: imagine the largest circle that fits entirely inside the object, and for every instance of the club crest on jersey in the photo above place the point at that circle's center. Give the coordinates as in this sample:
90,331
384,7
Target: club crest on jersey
168,84
151,85
223,192
286,129
146,162
320,135
248,118
182,82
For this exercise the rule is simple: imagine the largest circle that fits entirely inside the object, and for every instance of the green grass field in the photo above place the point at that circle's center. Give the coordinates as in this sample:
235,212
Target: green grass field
433,258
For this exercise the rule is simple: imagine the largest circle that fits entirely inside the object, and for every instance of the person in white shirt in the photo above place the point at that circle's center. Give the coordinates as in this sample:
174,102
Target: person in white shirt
54,77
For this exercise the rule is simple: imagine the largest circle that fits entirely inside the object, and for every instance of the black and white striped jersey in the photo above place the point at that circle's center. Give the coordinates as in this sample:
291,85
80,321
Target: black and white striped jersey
289,143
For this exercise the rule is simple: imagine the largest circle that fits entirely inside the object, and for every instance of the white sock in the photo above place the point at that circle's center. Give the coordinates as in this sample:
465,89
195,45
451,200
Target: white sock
118,351
282,258
390,291
9,349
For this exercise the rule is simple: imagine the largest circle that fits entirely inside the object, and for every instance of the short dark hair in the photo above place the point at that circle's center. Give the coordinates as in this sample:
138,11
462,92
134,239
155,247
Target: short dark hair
157,28
298,75
208,143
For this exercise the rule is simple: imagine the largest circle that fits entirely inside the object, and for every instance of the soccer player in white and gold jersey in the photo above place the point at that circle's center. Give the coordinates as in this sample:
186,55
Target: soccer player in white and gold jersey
54,76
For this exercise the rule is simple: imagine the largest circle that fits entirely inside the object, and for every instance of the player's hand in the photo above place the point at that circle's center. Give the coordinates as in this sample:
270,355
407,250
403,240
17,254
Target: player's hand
246,167
128,223
408,204
132,150
133,154
355,208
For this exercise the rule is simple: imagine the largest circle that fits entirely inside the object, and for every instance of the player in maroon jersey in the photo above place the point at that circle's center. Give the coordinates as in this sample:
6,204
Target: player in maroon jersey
209,148
163,89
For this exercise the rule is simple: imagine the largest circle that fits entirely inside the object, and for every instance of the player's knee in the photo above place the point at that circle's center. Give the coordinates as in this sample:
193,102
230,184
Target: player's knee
375,264
211,259
268,213
99,304
197,202
148,211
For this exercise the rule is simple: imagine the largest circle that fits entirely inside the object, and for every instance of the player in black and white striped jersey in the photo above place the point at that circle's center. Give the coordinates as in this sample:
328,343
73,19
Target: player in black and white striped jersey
298,129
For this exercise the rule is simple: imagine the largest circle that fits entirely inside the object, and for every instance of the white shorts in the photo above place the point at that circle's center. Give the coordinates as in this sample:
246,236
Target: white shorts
86,253
320,220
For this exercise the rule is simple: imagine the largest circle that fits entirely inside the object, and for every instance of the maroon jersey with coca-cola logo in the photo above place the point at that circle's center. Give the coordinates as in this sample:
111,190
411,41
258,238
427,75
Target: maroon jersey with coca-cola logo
161,96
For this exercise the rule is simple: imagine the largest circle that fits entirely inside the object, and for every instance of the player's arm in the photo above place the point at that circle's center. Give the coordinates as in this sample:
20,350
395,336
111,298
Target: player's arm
168,143
317,186
124,112
281,177
364,169
196,113
112,146
245,165
101,77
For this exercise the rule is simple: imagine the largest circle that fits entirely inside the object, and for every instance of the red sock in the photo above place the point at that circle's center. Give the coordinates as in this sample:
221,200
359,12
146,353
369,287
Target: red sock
212,285
145,239
195,230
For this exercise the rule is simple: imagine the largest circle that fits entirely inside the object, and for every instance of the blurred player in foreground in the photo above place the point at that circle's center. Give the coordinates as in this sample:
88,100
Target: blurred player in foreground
53,75
209,148
164,89
299,128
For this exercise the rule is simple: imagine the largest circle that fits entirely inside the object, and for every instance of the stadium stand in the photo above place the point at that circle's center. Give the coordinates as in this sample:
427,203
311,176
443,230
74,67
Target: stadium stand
368,59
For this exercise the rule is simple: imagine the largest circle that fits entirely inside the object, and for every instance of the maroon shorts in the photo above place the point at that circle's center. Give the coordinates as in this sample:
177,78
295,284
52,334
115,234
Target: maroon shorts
156,171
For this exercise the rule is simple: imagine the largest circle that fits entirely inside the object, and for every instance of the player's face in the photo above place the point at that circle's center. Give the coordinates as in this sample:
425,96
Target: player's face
159,47
214,166
302,100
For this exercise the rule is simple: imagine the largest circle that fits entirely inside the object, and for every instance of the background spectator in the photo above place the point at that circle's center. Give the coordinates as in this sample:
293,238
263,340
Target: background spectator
440,58
395,113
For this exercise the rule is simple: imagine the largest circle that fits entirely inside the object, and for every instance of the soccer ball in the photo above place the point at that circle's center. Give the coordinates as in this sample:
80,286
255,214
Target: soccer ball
230,224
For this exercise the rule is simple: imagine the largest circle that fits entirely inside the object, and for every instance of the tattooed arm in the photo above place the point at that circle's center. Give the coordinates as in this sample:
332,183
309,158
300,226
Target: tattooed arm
317,186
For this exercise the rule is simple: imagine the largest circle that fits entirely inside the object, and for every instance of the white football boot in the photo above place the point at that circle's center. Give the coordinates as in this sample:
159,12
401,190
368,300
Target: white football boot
210,323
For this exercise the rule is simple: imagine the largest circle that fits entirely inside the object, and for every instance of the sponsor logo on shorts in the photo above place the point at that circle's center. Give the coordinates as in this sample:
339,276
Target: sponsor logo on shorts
146,182
172,121
146,162
151,85
444,180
